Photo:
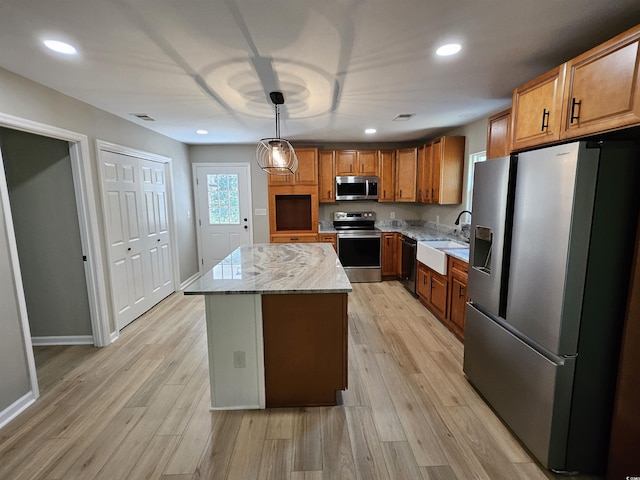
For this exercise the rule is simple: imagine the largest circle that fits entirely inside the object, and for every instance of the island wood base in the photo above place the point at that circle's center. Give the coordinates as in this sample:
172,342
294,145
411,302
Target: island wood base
305,348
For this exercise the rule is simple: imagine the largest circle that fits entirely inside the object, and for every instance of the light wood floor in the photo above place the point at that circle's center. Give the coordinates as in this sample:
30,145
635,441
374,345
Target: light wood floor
139,409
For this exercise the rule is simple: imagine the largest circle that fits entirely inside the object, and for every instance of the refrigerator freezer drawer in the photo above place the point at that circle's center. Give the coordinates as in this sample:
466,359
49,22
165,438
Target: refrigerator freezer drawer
530,393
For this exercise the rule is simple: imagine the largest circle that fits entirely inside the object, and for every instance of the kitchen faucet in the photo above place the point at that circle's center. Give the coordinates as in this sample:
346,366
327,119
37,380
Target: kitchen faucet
457,222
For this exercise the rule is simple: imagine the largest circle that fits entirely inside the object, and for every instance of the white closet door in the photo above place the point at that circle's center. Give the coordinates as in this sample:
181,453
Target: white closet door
125,236
136,212
154,188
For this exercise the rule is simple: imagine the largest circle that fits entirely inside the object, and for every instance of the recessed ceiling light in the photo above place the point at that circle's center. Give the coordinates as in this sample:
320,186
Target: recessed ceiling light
60,47
370,131
201,132
449,49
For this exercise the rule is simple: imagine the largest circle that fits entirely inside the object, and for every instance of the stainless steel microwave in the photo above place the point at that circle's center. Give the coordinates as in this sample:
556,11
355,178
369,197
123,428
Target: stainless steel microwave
356,188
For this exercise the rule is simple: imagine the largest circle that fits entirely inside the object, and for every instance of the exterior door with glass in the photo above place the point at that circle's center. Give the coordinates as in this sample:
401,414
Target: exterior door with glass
223,210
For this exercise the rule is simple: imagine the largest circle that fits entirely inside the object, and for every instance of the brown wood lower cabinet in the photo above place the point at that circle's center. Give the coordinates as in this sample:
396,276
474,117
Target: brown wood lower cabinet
331,238
458,276
302,238
432,291
305,348
389,254
445,297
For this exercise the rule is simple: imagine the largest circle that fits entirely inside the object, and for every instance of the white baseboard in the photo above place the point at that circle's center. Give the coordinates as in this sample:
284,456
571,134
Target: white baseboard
189,281
114,336
64,340
16,408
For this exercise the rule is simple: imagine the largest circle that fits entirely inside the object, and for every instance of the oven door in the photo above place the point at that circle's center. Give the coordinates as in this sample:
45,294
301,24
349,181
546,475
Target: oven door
360,255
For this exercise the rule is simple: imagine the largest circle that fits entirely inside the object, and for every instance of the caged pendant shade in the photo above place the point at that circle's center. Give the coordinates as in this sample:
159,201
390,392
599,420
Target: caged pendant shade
276,156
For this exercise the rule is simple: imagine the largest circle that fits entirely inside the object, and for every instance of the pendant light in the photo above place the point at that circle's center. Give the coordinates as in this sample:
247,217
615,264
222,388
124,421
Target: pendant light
276,155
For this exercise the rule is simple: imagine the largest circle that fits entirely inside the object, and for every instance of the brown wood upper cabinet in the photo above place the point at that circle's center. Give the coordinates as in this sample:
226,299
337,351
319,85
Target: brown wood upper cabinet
424,180
446,170
357,162
307,172
387,174
537,109
499,134
595,92
327,174
602,90
406,171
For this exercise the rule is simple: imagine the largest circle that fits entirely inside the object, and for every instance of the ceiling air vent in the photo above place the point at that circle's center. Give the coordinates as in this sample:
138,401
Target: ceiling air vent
403,117
143,116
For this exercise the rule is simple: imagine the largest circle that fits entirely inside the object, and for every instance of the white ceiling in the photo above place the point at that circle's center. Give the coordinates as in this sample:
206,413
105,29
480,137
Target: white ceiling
343,65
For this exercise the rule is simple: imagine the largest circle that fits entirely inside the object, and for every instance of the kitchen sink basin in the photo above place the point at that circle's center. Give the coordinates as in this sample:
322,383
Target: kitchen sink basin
433,253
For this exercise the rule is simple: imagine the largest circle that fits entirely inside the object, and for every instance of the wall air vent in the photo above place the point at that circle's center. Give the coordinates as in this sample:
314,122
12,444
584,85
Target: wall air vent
403,117
143,116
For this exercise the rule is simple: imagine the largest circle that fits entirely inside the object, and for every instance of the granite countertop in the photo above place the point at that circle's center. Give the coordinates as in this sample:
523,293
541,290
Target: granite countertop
459,253
416,232
275,269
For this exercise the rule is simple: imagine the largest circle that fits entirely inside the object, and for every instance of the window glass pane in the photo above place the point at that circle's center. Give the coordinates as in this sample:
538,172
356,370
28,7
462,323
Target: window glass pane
473,159
224,199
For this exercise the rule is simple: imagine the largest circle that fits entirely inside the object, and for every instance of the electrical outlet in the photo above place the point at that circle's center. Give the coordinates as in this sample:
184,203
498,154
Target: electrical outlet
392,215
239,360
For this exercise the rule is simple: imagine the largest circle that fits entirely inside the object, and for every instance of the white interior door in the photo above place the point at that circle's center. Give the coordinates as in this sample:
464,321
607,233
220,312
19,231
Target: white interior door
223,202
122,205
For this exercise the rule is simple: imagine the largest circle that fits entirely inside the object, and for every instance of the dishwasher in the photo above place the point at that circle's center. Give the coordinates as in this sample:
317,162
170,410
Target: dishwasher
408,272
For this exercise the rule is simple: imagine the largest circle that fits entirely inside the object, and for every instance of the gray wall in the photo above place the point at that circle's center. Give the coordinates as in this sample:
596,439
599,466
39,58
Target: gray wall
28,100
45,219
259,191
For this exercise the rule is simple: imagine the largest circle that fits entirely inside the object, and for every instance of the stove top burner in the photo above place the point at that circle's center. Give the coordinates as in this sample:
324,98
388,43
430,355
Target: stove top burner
354,220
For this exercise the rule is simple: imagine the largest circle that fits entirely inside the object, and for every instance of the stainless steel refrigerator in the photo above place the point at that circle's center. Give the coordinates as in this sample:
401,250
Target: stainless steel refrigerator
552,238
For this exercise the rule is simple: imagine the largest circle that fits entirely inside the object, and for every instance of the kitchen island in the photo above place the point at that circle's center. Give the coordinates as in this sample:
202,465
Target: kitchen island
277,325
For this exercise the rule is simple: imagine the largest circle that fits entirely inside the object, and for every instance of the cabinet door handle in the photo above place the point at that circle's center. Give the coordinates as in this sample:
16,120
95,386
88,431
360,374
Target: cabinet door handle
384,194
460,294
350,168
361,168
400,193
420,193
293,238
545,120
424,280
328,193
575,103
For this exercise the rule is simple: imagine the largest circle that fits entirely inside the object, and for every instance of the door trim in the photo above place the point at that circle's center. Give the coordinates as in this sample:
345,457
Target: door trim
82,172
194,185
104,146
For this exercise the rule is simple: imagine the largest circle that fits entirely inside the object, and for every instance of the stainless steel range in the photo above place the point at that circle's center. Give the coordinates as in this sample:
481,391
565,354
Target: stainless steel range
359,245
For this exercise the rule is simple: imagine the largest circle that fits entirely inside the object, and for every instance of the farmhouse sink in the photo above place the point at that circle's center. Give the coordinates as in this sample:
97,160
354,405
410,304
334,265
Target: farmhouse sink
433,253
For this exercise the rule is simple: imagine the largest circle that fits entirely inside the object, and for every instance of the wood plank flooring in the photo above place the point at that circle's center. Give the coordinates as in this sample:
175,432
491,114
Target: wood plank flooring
139,409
